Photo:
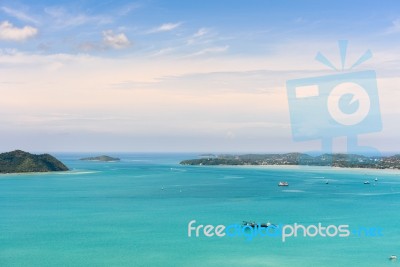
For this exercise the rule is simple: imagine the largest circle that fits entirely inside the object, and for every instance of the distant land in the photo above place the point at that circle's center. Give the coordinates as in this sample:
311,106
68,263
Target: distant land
207,155
19,161
334,160
101,158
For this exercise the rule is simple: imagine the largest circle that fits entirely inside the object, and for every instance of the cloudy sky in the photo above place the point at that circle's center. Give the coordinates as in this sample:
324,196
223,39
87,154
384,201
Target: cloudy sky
181,75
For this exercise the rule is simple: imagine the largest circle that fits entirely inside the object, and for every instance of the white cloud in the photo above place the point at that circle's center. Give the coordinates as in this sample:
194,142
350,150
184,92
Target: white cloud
394,28
198,36
115,40
163,51
19,15
217,49
11,33
63,19
201,32
125,10
110,40
166,27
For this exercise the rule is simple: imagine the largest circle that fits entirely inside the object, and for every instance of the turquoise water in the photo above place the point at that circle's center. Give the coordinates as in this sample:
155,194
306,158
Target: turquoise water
116,214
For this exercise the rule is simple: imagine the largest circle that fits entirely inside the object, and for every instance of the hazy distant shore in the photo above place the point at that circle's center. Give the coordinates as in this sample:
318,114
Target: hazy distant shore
299,159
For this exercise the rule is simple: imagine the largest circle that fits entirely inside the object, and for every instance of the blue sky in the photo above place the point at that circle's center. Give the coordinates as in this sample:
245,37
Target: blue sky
178,75
246,27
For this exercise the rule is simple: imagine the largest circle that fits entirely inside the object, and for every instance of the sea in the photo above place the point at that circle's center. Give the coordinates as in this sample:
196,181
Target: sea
137,212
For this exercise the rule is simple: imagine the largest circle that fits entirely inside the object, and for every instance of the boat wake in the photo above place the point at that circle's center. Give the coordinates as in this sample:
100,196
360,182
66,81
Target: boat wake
293,191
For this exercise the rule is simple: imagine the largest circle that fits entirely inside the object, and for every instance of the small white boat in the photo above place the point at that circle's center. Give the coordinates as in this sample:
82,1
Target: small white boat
376,179
366,182
283,184
393,257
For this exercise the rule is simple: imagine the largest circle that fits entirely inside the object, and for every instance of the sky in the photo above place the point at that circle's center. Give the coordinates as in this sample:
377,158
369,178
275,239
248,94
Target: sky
181,76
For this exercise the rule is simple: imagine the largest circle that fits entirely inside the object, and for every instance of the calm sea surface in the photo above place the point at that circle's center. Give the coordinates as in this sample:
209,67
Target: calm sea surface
136,213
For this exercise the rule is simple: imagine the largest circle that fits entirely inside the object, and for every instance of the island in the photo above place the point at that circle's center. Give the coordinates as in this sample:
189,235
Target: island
19,161
333,160
101,158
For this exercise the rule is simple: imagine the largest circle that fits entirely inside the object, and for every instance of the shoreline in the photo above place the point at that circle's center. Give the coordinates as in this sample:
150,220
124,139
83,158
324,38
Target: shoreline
387,170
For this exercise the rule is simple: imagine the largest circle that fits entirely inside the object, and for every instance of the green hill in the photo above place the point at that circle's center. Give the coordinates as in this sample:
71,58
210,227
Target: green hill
20,161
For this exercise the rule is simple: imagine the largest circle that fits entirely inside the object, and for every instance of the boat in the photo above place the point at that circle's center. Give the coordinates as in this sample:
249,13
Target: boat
376,179
255,225
327,182
283,184
366,182
251,224
393,257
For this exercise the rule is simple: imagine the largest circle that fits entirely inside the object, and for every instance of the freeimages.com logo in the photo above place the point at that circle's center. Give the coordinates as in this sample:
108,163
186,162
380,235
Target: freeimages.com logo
342,104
